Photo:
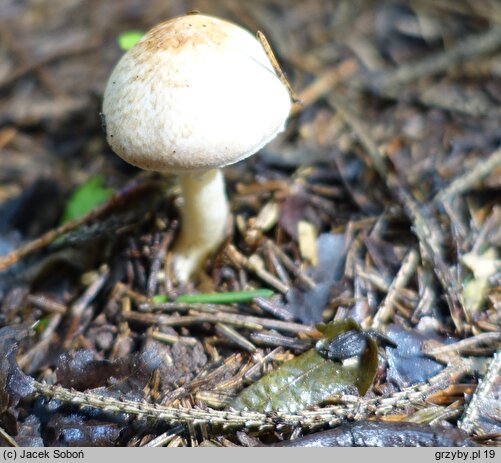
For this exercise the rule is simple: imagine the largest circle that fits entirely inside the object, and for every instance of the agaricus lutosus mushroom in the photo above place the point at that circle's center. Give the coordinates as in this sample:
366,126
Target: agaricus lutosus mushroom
196,93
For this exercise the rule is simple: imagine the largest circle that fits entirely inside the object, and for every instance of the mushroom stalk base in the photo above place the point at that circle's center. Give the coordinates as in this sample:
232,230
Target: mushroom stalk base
204,217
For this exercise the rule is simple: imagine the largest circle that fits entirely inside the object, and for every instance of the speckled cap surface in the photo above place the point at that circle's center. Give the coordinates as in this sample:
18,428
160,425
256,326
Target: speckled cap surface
195,92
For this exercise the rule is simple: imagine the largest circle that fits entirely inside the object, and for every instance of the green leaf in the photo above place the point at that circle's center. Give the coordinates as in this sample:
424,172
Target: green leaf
310,379
224,298
85,198
40,325
126,40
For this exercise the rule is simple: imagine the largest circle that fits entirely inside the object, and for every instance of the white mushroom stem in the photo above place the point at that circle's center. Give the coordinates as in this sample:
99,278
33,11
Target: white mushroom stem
204,217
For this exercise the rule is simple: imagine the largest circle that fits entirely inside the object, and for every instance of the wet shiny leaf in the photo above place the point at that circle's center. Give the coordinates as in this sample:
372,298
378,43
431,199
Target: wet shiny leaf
407,364
383,434
310,378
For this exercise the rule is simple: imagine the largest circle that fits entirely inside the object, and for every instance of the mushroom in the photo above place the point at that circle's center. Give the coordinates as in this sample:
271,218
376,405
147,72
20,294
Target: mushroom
195,94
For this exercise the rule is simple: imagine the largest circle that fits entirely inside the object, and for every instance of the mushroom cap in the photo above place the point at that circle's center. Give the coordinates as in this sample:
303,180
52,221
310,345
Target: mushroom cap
196,92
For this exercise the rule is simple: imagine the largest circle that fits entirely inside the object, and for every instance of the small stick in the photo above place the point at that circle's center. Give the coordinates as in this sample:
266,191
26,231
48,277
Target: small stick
291,266
172,338
486,391
124,330
324,84
373,278
185,307
277,340
458,347
46,340
158,258
271,56
234,336
277,266
253,263
427,294
274,308
471,178
407,270
474,105
165,438
8,438
75,324
242,321
47,304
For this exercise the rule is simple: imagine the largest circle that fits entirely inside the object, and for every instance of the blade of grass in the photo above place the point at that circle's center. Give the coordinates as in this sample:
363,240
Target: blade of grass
217,298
